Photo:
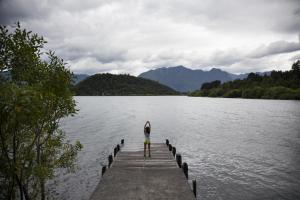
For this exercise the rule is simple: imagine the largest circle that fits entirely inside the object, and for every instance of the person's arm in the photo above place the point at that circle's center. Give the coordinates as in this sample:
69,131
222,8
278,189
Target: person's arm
149,126
145,127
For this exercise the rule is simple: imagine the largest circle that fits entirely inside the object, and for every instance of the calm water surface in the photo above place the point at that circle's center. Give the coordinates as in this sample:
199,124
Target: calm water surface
235,148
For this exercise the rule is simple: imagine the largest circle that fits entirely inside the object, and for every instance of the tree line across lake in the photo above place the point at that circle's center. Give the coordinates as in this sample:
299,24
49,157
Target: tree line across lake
277,85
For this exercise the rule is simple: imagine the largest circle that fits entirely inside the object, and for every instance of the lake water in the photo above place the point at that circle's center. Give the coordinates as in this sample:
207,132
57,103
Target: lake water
235,148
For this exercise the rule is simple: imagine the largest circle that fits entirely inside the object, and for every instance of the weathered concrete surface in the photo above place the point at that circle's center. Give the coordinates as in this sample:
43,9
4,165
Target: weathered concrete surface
133,177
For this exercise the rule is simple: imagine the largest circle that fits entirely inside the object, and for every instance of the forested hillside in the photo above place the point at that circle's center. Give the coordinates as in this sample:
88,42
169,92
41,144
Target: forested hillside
279,85
120,85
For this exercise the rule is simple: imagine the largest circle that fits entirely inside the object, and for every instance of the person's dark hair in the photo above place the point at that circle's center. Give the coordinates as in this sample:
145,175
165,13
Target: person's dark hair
147,129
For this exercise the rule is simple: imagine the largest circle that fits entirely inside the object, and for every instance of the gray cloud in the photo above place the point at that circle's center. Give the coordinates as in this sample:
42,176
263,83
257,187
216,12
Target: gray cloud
15,10
134,36
233,15
275,48
294,58
105,56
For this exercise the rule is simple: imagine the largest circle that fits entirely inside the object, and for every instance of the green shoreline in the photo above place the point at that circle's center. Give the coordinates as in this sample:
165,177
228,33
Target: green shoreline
278,85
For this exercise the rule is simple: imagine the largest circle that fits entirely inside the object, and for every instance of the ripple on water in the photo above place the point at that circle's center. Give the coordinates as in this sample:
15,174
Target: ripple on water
235,148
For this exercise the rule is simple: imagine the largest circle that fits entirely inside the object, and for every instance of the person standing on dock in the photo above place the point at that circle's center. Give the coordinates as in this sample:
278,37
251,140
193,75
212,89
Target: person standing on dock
147,130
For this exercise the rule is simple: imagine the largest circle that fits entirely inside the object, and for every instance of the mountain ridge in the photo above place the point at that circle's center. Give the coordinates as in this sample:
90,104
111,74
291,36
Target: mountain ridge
184,79
79,77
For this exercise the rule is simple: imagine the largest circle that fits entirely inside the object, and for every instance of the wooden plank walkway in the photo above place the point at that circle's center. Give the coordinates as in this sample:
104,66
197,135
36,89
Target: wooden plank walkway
133,177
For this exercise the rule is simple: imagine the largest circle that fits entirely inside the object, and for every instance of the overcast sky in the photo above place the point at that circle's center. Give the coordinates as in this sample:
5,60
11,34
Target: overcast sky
133,36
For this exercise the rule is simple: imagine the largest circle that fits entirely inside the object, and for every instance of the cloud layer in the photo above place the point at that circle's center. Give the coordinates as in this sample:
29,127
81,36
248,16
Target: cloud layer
134,36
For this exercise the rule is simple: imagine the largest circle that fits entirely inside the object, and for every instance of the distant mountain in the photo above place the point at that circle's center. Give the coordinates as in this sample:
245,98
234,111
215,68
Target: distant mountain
184,79
79,77
120,85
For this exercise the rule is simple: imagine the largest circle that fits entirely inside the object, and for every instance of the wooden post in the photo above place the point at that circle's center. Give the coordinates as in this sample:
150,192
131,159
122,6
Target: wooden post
115,151
122,141
170,147
110,160
178,160
103,170
167,142
174,151
185,169
195,188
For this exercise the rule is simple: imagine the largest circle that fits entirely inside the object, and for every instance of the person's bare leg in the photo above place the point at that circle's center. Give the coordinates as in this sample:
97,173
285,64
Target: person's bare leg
144,149
149,149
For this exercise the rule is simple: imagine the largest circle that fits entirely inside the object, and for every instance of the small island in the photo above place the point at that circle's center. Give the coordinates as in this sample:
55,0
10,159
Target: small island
277,85
120,85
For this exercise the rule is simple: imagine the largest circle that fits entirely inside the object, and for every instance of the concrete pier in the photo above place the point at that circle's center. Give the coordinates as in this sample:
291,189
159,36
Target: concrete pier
132,176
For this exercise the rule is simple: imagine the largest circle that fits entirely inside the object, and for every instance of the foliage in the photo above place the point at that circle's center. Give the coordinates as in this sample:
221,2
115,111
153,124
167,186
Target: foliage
208,86
279,85
235,93
33,100
109,84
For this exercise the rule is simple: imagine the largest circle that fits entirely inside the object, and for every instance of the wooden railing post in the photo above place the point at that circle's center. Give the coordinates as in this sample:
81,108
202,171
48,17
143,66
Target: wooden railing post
174,151
115,151
195,188
185,169
170,147
178,160
103,170
110,160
